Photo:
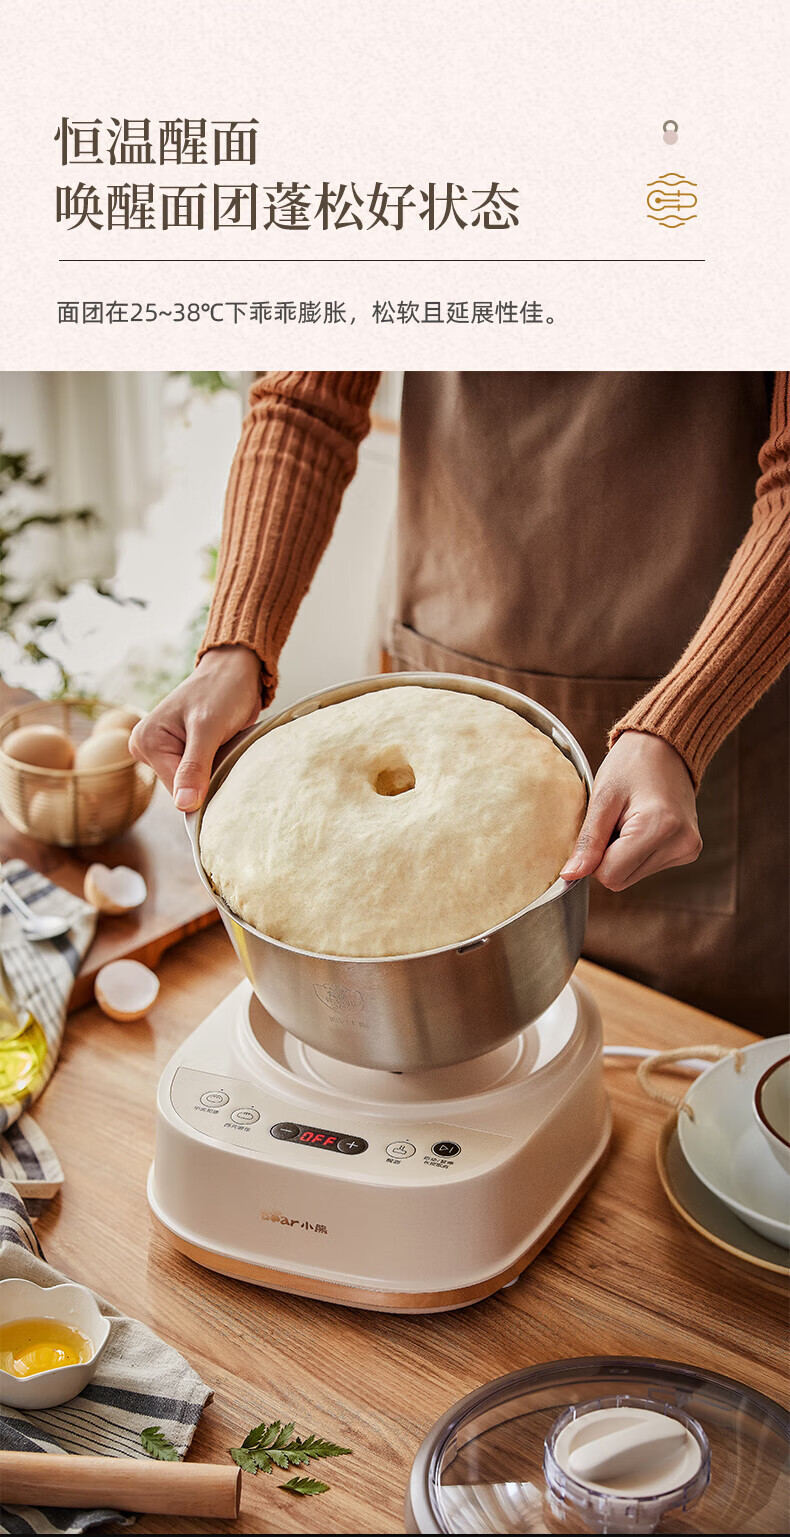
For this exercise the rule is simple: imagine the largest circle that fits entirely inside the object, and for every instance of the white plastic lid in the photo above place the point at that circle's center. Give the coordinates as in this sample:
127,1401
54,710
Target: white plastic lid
621,1463
634,1450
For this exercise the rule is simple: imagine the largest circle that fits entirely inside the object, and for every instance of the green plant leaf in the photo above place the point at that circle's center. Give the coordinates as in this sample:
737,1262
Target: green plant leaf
255,1435
296,1457
305,1486
263,1435
244,1459
256,1460
268,1446
156,1444
312,1446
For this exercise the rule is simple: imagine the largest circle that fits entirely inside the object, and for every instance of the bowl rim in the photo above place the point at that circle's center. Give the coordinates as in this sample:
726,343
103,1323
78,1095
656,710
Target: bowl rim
758,1100
339,694
71,700
98,1344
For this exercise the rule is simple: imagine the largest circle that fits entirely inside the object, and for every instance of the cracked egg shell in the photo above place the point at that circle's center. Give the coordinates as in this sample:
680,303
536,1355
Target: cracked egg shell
114,890
126,990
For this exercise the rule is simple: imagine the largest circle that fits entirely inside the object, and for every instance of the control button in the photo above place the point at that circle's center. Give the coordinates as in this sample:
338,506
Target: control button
446,1149
245,1116
352,1145
401,1150
285,1131
214,1099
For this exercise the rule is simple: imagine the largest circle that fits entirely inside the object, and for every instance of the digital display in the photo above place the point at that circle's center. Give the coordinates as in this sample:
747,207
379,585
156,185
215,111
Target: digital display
317,1136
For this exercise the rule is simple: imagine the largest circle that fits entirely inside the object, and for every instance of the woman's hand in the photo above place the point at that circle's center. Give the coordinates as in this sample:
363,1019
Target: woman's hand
642,815
180,737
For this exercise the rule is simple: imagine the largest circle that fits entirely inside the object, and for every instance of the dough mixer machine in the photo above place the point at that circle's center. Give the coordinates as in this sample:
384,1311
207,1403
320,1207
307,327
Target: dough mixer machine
401,1134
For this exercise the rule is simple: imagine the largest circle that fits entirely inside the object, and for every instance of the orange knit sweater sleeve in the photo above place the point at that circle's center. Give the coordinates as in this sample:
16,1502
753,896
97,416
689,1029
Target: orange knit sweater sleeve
296,455
743,642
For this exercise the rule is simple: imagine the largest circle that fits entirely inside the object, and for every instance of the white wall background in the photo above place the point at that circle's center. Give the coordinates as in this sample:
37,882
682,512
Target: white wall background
133,654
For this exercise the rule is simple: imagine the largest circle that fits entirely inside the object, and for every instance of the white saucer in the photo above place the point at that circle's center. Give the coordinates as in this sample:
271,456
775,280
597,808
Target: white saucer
709,1216
723,1146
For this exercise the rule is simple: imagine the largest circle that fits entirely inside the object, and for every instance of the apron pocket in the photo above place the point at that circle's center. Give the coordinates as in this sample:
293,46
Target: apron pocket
589,708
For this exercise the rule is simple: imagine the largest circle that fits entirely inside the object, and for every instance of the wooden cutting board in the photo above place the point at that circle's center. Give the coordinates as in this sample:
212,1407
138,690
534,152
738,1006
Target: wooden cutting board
177,903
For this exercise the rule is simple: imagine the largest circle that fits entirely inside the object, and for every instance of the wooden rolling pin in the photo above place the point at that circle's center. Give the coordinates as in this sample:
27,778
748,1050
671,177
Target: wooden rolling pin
121,1483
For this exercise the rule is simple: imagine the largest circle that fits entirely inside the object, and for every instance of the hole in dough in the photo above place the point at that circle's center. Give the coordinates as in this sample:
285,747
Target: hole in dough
394,781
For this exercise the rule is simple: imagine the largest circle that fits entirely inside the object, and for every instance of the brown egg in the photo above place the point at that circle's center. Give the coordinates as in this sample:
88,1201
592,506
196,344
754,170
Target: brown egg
110,749
51,816
40,746
104,807
116,720
99,813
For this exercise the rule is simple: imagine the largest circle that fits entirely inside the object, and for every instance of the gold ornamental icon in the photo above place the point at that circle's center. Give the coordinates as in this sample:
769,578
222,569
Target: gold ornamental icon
672,200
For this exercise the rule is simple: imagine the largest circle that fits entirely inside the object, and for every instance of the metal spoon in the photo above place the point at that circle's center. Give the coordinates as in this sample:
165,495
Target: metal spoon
32,926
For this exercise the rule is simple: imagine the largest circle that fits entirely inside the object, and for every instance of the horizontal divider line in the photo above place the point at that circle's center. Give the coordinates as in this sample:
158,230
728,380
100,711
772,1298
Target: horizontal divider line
362,261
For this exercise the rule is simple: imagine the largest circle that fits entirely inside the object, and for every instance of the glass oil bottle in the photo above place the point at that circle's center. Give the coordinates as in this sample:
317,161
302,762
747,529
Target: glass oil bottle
23,1045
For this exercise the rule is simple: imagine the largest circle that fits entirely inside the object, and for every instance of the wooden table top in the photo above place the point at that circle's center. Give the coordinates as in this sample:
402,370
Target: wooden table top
624,1276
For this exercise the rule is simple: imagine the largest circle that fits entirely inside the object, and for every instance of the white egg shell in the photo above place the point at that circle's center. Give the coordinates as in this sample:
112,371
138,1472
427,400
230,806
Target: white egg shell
110,749
117,890
40,747
116,719
126,990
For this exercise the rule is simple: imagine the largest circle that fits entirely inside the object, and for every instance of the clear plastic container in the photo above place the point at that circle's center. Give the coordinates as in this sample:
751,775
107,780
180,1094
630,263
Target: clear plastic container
483,1468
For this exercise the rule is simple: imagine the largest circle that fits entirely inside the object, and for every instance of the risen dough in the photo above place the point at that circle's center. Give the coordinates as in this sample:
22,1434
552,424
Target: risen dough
302,844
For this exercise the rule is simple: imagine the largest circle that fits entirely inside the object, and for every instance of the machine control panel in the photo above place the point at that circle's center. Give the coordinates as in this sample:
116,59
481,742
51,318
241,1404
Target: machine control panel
239,1113
314,1136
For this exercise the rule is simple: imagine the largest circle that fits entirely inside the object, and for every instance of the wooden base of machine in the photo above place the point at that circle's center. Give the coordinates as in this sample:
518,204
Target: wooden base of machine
374,1300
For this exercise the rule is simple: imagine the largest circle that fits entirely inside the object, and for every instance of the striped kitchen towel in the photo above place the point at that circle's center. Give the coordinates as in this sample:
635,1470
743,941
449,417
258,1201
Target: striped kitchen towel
31,1164
42,974
140,1381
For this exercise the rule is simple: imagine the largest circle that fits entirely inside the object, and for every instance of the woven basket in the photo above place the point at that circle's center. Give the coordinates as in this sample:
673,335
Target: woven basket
70,807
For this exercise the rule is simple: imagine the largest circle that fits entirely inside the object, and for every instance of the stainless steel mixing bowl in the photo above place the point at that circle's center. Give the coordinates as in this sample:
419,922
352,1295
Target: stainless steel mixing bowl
437,1007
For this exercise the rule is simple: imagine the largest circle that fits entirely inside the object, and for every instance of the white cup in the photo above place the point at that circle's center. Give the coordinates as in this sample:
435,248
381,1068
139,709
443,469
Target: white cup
772,1109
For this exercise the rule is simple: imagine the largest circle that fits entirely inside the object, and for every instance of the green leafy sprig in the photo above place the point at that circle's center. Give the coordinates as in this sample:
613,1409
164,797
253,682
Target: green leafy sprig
266,1447
275,1446
156,1444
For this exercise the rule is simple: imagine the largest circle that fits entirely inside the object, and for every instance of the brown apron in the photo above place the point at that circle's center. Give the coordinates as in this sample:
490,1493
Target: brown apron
564,534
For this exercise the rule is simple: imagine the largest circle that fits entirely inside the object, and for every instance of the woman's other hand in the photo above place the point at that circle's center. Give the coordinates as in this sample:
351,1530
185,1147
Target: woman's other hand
181,736
642,815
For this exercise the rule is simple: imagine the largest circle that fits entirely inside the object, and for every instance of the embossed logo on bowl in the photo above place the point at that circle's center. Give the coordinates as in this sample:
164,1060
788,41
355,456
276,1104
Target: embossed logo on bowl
340,999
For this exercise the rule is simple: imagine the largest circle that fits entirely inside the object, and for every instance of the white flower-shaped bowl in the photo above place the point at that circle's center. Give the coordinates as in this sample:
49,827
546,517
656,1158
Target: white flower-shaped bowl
70,1304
